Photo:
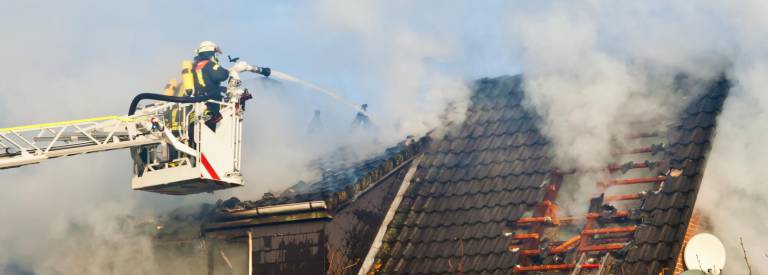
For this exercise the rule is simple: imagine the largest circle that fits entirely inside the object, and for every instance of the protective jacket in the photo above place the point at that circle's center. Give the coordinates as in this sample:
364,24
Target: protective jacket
208,75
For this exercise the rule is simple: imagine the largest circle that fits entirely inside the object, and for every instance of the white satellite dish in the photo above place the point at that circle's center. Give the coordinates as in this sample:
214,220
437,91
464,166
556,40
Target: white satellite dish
705,252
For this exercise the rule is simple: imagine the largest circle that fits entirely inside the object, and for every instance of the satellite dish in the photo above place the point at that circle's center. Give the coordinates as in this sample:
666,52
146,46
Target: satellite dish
705,252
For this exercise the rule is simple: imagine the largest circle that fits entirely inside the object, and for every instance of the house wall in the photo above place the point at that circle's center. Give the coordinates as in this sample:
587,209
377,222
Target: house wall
280,248
290,248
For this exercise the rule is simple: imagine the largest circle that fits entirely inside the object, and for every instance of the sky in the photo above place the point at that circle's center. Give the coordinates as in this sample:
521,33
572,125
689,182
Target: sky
409,60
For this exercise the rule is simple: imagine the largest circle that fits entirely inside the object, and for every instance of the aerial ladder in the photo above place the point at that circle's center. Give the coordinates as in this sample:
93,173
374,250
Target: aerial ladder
191,159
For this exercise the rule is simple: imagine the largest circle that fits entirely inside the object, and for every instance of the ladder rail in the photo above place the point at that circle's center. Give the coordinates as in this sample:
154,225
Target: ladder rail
33,143
30,156
58,135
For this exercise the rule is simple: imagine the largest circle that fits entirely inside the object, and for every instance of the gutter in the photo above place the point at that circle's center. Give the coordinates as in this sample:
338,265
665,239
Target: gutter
267,220
272,214
376,245
274,210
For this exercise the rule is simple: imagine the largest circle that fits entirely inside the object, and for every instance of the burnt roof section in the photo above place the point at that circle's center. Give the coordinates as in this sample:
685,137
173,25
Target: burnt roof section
469,186
338,188
340,182
665,214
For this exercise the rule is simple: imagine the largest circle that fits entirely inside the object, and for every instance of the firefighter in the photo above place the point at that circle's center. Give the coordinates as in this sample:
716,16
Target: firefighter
173,117
208,75
361,119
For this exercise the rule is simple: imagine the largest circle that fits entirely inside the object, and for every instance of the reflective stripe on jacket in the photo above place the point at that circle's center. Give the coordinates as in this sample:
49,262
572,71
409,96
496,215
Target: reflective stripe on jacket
208,77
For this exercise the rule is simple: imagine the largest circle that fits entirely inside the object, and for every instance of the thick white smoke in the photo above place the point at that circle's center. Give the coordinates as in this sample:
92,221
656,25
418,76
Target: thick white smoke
733,193
100,240
415,82
591,64
589,86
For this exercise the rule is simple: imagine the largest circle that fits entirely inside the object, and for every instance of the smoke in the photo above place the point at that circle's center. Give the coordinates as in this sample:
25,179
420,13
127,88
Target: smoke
733,193
593,67
589,87
410,78
95,242
416,89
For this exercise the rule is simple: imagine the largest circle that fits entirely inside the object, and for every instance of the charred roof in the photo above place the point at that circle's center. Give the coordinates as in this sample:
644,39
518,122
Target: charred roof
342,180
481,201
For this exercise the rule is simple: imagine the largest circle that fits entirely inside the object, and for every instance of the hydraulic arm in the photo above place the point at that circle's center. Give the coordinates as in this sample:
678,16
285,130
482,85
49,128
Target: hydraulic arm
173,150
35,143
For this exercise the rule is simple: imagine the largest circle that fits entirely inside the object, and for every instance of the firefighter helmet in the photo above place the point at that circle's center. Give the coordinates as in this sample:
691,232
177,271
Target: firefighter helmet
208,46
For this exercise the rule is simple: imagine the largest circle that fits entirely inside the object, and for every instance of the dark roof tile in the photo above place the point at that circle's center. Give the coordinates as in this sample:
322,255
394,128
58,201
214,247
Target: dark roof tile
511,127
700,135
636,268
669,233
406,234
477,131
646,234
660,253
635,253
678,184
675,200
414,218
398,248
651,202
655,267
690,151
660,217
648,251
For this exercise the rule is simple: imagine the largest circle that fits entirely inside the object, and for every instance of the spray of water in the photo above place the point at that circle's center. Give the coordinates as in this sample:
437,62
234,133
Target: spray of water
286,77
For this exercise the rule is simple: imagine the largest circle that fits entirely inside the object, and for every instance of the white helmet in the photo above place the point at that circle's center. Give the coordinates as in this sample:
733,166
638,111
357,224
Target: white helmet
208,46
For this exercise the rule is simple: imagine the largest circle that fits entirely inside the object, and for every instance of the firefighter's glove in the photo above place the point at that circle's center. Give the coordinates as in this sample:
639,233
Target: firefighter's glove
265,71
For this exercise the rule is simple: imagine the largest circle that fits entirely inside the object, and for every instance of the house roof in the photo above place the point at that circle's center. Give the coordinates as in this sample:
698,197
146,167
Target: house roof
473,187
469,187
341,183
